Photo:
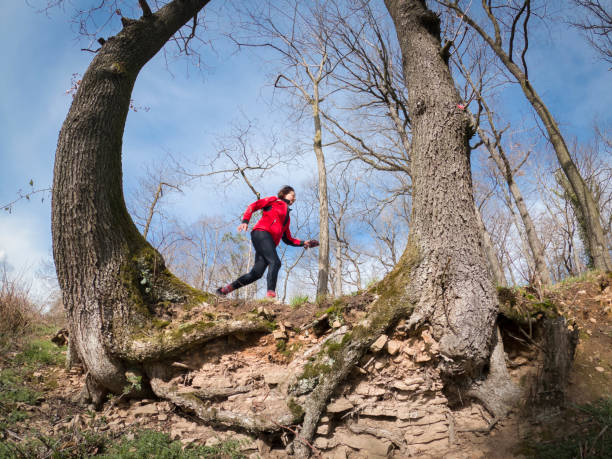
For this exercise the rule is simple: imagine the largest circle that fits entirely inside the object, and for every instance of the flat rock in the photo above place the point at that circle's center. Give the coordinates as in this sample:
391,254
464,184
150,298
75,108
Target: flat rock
379,343
321,443
275,377
377,411
339,405
400,385
368,444
145,409
279,334
393,346
364,388
203,379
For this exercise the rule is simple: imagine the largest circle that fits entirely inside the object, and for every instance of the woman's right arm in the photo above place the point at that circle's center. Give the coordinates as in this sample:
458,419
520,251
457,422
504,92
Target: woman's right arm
259,204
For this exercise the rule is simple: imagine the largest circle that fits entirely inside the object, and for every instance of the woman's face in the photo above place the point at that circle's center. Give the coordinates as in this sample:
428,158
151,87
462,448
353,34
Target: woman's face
290,197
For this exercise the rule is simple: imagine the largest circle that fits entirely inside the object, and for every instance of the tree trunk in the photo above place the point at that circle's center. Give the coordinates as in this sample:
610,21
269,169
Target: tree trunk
323,274
497,271
594,232
535,246
105,267
450,283
338,269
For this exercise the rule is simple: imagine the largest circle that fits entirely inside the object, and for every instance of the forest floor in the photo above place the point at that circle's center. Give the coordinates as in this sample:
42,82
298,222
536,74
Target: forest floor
39,417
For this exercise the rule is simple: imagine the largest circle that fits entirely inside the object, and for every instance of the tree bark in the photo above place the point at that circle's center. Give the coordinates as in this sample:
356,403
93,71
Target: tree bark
323,274
105,268
450,284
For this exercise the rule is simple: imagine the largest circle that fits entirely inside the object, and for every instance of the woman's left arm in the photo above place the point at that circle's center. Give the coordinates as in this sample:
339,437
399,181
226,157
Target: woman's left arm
290,240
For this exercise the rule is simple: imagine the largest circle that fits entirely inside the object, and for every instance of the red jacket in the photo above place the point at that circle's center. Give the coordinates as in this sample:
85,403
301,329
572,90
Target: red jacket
275,220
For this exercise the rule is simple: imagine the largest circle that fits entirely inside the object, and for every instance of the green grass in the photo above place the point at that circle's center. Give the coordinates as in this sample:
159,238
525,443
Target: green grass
15,385
298,301
145,444
41,352
152,444
14,391
595,440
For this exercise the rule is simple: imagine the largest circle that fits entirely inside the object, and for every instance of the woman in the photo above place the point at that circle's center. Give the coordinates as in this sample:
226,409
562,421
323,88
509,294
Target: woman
266,235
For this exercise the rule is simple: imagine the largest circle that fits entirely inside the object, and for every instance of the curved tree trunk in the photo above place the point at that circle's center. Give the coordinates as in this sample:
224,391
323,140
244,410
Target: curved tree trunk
450,284
104,266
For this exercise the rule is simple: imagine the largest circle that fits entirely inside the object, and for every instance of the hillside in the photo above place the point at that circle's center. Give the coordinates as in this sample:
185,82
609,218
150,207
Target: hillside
393,406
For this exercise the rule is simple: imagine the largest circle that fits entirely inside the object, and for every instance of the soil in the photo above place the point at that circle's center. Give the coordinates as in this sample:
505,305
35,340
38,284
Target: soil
586,303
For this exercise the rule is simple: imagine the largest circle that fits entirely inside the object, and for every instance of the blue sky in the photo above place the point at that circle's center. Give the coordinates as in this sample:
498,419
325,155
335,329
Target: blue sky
41,53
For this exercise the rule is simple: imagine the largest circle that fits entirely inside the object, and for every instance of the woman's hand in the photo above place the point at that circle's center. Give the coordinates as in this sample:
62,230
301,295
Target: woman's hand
242,227
311,243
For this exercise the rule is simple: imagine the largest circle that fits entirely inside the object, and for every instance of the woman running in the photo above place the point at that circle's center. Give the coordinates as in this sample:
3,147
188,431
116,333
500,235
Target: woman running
266,235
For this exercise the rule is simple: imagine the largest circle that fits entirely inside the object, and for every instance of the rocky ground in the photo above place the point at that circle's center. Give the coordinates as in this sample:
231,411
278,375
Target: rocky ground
393,404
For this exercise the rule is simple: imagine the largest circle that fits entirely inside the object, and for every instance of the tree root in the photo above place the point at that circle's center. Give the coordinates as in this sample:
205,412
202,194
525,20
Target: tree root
382,433
190,401
497,392
171,342
91,392
221,392
384,315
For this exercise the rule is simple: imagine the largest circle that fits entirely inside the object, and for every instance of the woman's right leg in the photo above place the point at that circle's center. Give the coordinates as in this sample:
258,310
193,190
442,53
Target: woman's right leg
263,244
254,274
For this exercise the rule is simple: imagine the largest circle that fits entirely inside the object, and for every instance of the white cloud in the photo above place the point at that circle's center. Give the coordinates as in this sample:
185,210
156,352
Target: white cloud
23,247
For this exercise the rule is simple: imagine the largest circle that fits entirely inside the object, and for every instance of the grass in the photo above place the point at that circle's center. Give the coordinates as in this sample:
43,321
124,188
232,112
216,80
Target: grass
41,351
298,301
144,444
593,440
152,444
16,388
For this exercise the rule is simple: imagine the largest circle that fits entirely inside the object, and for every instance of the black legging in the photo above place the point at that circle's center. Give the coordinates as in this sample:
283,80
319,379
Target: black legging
265,257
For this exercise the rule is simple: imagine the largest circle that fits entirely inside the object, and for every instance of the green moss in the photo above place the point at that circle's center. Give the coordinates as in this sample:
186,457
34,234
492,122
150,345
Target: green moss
296,409
184,329
314,370
521,306
159,323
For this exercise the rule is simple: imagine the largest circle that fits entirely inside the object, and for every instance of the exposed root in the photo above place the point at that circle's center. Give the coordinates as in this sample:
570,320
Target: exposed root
92,392
497,392
171,342
221,392
484,430
191,402
383,316
381,433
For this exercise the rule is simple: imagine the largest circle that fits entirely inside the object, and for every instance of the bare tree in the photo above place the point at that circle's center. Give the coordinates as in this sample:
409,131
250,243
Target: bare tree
294,32
370,121
510,21
596,24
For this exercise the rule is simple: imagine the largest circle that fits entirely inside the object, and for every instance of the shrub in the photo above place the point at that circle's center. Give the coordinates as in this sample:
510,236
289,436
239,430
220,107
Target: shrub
17,312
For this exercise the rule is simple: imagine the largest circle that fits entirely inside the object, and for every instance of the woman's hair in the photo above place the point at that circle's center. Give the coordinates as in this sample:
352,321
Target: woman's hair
284,191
